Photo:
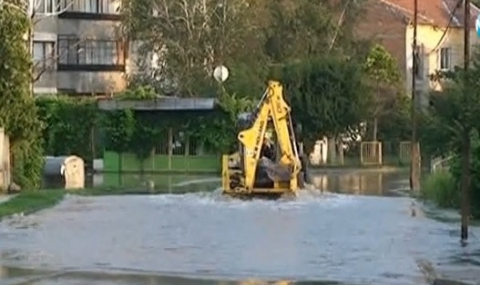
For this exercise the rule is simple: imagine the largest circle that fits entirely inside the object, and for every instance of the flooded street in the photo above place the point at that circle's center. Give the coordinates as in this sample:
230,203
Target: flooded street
375,236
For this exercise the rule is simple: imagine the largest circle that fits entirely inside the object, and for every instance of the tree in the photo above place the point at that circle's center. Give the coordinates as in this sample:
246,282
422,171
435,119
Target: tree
251,37
328,96
384,78
18,113
298,29
455,115
190,38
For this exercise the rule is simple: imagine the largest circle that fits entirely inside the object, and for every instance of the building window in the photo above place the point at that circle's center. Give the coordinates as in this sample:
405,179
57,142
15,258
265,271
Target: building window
44,54
92,6
73,51
45,6
445,58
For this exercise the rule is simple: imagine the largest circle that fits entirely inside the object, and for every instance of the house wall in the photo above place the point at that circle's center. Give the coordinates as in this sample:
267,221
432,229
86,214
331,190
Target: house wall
87,26
433,39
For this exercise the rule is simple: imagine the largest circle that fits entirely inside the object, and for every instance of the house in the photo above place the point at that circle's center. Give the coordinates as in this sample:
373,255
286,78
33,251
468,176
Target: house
77,47
440,36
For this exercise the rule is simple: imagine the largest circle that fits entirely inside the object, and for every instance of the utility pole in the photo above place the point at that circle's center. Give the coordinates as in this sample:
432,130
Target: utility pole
415,147
465,184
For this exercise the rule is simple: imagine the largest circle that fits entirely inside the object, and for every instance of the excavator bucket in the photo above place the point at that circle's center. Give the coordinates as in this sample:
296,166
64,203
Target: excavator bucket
275,171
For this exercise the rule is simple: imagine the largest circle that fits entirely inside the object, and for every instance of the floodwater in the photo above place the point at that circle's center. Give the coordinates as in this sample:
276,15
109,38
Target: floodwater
358,229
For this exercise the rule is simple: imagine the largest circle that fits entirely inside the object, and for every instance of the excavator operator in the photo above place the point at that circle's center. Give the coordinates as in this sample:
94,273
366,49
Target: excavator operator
268,149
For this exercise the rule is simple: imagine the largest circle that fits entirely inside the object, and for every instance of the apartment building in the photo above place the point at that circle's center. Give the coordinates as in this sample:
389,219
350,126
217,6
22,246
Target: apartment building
77,47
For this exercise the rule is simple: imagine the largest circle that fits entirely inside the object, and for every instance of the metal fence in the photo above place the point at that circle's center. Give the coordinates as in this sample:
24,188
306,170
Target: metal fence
364,153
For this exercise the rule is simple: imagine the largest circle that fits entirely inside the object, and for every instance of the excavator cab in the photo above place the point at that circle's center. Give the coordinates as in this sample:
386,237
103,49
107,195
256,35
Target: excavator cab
268,161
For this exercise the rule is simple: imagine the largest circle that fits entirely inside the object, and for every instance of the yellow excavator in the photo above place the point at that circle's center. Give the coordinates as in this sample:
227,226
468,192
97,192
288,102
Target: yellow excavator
268,165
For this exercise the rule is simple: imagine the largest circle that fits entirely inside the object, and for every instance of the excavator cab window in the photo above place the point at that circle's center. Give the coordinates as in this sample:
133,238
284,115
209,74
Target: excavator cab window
269,145
268,149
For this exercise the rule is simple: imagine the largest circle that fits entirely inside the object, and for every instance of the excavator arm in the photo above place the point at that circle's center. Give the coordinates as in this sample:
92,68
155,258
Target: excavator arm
251,140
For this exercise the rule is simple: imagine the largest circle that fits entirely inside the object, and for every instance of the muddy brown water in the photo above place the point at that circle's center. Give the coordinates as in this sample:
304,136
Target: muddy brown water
361,229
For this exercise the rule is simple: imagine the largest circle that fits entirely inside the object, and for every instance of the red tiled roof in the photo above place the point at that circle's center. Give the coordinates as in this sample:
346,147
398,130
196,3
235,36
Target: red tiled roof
436,12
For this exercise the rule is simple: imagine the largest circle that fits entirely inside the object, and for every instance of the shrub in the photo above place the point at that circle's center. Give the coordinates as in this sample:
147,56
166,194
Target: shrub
441,188
456,171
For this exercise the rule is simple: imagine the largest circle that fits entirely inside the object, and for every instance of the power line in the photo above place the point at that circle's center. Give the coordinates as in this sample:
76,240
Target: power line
450,21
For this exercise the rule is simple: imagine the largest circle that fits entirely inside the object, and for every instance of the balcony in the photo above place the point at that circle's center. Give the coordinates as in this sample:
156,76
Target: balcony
102,10
75,54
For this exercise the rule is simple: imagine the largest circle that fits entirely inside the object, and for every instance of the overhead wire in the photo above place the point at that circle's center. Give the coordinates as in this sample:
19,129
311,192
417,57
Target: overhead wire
450,21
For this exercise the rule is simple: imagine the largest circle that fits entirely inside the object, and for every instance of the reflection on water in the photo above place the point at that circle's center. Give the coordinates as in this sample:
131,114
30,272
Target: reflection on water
357,183
347,182
156,183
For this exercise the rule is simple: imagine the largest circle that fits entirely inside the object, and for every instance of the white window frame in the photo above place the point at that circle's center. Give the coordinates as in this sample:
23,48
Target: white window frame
74,51
108,7
445,63
45,6
46,58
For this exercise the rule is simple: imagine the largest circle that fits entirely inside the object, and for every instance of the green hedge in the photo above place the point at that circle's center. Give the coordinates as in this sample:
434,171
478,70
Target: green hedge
75,126
71,125
443,188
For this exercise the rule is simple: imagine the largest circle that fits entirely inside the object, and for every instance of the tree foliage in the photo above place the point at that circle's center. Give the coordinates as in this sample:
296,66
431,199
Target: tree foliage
454,123
190,38
327,95
70,125
384,80
18,113
141,132
381,67
299,29
454,110
193,37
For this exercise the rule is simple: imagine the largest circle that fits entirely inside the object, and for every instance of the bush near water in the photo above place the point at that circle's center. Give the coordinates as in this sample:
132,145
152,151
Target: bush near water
443,187
451,128
77,126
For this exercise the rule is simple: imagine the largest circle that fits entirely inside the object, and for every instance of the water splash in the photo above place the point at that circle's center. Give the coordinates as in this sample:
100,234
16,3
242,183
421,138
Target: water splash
216,199
197,181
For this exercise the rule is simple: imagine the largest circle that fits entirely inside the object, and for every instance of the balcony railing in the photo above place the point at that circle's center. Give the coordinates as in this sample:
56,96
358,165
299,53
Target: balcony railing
76,54
90,9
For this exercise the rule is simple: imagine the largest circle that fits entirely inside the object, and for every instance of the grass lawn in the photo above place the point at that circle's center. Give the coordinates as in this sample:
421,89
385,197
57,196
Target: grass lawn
31,201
